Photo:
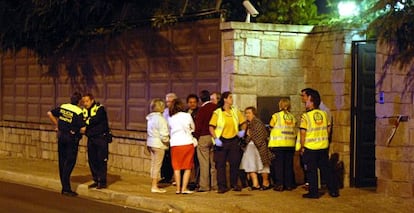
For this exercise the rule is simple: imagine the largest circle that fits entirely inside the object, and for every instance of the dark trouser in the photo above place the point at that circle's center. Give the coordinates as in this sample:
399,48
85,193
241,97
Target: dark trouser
302,164
283,167
167,171
195,172
314,159
98,158
68,152
230,151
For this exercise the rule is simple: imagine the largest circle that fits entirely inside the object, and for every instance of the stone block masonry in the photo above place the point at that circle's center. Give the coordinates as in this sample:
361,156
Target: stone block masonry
280,60
394,159
39,141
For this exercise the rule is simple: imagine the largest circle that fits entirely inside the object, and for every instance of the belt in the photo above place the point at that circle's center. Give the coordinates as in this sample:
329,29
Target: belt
224,140
70,132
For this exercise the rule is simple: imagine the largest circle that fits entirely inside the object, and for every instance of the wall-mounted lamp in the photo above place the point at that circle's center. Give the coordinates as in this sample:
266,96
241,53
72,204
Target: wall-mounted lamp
347,8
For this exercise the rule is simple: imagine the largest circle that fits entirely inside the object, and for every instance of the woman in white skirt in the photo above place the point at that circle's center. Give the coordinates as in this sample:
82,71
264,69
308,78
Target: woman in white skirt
257,156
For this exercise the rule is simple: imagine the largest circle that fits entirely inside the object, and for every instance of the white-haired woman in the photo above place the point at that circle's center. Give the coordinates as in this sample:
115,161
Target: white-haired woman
158,136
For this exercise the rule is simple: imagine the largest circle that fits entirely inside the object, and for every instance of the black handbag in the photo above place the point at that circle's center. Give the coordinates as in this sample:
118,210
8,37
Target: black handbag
108,136
242,142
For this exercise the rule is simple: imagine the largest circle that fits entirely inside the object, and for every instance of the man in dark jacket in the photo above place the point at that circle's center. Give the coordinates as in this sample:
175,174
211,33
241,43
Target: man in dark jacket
97,129
68,120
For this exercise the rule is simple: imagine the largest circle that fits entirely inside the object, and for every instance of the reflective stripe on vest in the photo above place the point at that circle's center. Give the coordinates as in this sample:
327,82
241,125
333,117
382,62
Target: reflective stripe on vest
283,133
218,131
72,108
317,130
93,111
67,112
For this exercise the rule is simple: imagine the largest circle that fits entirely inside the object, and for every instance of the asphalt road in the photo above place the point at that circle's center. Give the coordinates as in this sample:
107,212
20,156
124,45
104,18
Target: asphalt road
19,198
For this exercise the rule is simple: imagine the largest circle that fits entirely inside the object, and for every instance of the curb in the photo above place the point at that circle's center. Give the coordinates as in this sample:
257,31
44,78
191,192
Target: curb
48,183
125,199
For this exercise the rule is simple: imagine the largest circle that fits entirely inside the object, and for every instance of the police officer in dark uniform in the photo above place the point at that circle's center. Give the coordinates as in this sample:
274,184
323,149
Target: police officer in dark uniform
96,129
69,120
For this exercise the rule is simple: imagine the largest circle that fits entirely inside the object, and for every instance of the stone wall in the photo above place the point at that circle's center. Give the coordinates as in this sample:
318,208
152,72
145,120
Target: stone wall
264,60
281,60
330,73
258,60
394,159
126,152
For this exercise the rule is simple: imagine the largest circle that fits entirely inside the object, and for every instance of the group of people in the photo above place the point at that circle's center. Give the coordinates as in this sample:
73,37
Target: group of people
202,139
82,116
198,141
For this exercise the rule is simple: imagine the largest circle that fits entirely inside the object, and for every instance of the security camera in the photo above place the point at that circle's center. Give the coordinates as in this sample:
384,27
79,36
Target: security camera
250,8
251,11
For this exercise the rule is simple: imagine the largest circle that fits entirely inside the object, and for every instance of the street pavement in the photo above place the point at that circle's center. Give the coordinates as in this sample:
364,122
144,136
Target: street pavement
134,191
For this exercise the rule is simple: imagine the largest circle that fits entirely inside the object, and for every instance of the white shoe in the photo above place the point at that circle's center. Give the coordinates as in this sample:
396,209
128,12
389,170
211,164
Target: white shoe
187,192
158,190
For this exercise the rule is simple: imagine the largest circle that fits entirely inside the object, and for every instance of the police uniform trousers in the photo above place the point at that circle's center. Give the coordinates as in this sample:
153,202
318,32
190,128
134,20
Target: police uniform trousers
98,158
68,152
167,171
314,159
231,152
283,167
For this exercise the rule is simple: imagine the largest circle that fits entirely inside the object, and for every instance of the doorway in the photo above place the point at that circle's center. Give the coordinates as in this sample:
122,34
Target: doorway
363,115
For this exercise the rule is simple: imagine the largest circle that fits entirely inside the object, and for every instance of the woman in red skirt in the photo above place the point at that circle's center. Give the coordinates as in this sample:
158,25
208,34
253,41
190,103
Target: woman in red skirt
182,144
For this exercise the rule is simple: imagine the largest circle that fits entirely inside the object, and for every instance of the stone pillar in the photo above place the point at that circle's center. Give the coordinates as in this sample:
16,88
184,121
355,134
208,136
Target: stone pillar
329,72
262,60
279,60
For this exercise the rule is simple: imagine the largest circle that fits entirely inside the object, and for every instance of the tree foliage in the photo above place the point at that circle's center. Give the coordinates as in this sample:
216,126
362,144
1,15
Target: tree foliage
390,22
393,22
60,27
289,12
60,31
55,27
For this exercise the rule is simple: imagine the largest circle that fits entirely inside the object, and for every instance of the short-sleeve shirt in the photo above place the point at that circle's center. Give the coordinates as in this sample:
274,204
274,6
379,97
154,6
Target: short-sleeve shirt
273,121
181,125
303,122
229,130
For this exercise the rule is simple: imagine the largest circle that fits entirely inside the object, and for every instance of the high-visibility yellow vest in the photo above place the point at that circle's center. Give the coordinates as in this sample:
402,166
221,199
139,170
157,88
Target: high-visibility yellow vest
67,110
220,121
317,130
73,108
93,111
283,132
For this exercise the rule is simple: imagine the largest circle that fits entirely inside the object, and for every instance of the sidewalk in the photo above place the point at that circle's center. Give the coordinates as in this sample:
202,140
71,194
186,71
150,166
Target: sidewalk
134,191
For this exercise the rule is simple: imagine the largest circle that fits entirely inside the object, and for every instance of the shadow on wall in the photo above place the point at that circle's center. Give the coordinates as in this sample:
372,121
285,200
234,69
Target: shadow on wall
100,57
337,169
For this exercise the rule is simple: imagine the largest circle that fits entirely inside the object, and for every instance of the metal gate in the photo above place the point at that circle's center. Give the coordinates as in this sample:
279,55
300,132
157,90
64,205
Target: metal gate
148,64
363,114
